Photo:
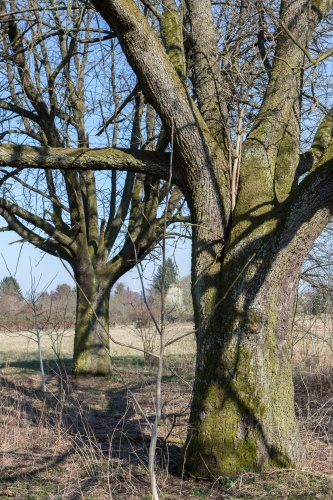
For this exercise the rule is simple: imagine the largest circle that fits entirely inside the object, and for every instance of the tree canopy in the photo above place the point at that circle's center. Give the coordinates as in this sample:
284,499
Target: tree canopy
9,286
166,273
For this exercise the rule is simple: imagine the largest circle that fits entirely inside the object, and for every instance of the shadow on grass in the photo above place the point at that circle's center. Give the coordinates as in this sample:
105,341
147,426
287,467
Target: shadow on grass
32,365
30,361
100,417
128,362
51,365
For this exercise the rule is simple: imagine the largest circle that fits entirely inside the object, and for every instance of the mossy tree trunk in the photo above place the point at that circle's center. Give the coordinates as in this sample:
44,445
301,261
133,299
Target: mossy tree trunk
91,341
242,414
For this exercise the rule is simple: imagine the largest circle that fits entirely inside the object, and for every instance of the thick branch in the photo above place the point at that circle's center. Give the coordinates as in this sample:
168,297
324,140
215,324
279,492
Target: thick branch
320,142
321,8
172,36
19,110
207,73
273,142
156,164
49,245
309,209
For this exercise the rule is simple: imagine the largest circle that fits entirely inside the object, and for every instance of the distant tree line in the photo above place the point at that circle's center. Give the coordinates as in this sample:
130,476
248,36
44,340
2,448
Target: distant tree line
57,308
127,306
316,300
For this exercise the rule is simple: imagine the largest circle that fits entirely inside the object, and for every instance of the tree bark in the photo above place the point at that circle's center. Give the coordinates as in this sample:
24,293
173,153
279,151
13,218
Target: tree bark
242,414
91,341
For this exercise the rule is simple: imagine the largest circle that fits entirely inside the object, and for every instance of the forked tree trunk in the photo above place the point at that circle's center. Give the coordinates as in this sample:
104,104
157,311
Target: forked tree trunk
246,263
91,342
242,415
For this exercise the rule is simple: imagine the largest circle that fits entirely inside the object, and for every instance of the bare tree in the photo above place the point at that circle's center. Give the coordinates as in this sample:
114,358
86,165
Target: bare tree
53,71
257,199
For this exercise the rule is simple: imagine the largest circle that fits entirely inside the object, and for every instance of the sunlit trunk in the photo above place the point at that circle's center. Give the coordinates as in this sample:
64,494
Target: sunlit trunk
242,414
91,344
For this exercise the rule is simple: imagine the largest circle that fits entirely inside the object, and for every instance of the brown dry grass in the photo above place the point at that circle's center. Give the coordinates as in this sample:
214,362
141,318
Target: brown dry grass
98,434
22,345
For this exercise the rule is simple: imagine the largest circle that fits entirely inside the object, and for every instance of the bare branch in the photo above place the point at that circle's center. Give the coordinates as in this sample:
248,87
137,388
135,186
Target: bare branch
156,164
119,109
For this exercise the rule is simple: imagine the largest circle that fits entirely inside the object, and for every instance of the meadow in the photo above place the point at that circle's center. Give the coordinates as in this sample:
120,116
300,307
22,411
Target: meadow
89,438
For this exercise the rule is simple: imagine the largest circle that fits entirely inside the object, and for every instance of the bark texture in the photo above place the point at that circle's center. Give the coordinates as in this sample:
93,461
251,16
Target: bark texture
91,341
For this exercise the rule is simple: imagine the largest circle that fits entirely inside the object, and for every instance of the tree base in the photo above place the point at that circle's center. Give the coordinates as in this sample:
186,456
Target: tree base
93,366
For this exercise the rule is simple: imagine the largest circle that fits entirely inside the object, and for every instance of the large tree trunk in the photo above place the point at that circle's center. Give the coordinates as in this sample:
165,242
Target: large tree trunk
242,415
243,409
91,342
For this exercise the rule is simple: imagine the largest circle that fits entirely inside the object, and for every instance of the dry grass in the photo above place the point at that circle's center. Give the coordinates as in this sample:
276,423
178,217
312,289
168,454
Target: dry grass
313,378
22,345
97,431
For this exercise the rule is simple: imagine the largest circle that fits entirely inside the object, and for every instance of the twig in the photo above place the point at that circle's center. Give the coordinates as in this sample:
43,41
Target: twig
158,415
139,407
118,111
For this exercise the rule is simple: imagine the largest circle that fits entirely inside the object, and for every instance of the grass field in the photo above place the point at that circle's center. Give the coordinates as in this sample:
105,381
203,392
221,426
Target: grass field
22,346
89,439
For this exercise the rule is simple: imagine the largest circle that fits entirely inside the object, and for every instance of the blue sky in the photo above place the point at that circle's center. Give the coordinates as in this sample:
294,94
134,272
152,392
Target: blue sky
49,269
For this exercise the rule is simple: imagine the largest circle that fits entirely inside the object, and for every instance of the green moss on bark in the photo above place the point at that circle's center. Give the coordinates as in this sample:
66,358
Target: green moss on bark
243,416
91,342
171,34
